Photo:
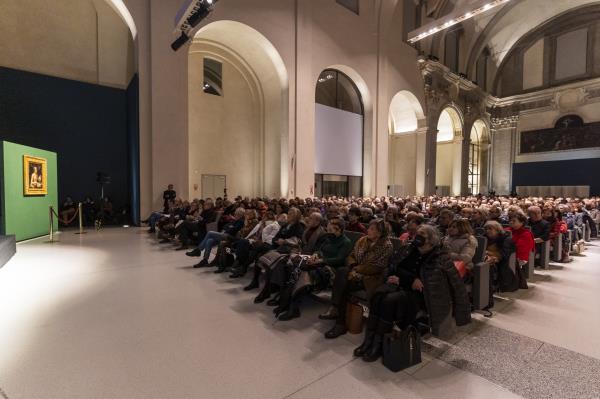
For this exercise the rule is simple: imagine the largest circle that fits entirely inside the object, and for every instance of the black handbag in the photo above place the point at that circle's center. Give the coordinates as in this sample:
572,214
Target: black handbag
226,259
402,350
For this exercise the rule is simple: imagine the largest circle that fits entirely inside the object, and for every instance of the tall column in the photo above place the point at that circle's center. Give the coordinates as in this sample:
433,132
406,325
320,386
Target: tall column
502,157
421,161
305,86
459,166
430,160
463,156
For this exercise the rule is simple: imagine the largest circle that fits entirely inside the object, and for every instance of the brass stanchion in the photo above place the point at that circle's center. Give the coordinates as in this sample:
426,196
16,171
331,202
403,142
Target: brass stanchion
51,233
79,207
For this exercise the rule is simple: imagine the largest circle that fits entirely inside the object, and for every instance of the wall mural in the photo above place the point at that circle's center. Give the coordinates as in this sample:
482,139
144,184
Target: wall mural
35,176
570,133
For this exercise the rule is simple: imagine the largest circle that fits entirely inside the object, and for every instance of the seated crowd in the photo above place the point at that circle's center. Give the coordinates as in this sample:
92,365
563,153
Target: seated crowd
412,260
101,213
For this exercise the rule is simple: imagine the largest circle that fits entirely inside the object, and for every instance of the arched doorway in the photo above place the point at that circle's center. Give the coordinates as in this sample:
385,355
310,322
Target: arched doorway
449,153
238,112
339,136
478,158
405,117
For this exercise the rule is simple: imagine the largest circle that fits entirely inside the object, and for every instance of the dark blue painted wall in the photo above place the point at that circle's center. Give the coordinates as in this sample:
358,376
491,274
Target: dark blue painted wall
133,145
86,124
578,172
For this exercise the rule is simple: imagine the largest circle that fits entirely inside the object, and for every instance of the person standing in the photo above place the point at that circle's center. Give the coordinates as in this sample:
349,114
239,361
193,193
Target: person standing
168,195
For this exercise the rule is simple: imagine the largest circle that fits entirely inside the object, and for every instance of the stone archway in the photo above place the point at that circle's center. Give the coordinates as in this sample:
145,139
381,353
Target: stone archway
242,134
406,121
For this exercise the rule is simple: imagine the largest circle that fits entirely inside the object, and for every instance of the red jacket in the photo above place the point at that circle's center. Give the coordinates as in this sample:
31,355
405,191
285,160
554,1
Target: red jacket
558,227
524,242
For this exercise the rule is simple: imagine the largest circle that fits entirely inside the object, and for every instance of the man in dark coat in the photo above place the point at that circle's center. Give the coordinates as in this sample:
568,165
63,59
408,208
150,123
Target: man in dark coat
168,195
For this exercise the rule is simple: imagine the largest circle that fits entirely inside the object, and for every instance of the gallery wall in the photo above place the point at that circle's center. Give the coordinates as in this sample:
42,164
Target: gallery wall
577,172
25,216
86,124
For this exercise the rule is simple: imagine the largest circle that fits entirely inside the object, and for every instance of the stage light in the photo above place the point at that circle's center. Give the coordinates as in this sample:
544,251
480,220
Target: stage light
183,39
453,19
189,17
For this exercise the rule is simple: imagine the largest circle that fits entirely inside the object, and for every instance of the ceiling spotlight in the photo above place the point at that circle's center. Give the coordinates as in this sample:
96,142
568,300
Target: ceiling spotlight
190,16
452,19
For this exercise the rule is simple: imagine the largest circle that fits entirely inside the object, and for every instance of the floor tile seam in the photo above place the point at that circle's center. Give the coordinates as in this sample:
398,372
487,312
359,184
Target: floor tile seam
319,379
542,343
522,366
496,383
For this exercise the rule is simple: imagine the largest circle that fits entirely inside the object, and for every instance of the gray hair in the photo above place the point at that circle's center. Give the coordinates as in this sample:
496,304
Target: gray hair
497,226
433,236
317,216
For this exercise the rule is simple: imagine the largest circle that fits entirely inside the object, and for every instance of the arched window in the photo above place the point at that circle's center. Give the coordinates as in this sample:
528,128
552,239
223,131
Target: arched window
478,158
448,159
474,160
338,136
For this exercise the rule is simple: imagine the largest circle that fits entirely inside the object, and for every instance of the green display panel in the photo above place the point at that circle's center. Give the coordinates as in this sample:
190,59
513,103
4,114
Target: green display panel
25,216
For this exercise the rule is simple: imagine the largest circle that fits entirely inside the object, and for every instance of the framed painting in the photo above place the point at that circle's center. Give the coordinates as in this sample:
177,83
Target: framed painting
35,176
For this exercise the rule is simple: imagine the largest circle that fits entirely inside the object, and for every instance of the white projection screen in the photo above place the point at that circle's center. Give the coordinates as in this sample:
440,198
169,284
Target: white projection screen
338,142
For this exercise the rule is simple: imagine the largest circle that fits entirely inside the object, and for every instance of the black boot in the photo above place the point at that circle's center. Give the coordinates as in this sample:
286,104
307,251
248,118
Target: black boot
254,284
194,252
240,271
202,263
376,350
336,331
365,347
292,313
264,294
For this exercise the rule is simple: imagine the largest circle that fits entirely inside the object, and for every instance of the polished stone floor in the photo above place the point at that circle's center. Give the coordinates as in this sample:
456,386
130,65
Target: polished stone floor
112,314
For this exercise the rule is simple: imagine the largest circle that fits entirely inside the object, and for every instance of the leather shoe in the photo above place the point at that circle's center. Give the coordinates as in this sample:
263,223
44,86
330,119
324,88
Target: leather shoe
252,286
336,331
194,252
273,302
237,274
292,313
331,314
202,263
366,345
375,350
262,297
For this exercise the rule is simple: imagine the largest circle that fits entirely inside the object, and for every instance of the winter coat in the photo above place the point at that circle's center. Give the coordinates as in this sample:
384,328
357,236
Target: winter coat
370,261
524,242
444,291
334,250
311,244
507,280
462,248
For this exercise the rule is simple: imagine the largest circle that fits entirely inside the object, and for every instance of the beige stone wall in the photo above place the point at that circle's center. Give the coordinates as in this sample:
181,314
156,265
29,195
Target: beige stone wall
83,40
444,165
402,162
224,131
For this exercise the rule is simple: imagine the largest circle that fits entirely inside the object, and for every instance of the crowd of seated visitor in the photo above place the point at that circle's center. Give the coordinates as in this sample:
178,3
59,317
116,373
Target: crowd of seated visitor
412,258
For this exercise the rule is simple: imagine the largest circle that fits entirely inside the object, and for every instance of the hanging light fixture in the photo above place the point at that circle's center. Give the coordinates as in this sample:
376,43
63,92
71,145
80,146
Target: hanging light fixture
454,18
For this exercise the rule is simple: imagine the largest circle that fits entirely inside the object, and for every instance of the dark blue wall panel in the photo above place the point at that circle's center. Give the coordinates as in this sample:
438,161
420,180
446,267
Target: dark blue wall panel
133,144
578,172
86,124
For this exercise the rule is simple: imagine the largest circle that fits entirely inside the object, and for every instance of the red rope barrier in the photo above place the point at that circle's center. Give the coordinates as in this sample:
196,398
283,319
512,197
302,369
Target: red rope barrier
68,222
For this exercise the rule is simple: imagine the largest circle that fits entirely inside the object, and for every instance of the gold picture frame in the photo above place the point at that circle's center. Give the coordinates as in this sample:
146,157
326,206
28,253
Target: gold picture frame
35,175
